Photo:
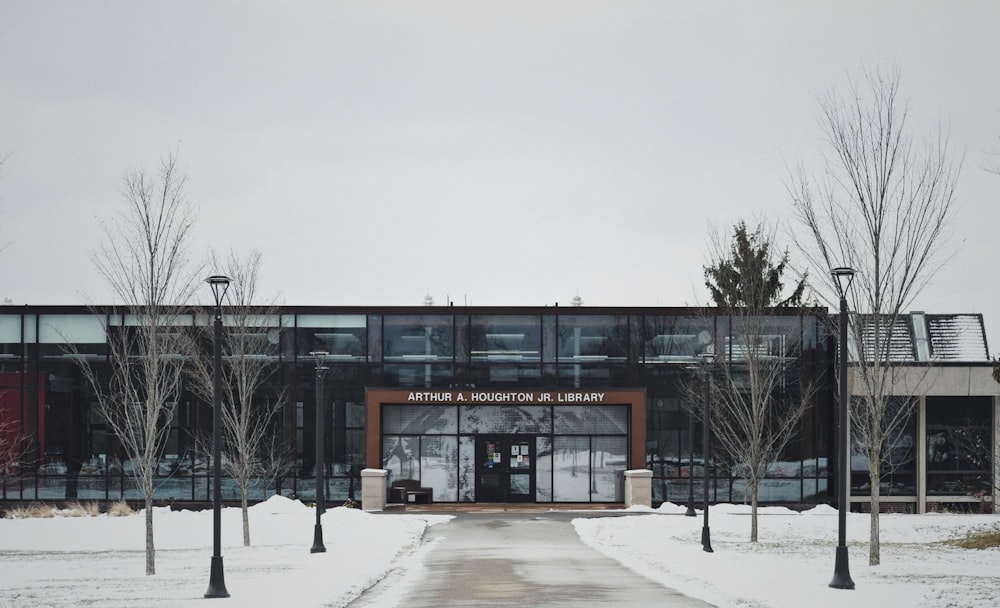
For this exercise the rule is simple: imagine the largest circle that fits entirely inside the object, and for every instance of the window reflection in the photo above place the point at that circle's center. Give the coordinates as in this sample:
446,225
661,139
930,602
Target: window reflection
676,338
418,338
593,338
10,344
899,472
72,336
959,446
506,338
342,336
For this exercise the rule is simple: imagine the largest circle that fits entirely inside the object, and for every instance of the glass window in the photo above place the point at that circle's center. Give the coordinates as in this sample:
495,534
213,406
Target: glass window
462,338
300,440
899,472
593,338
68,336
419,375
959,445
608,459
165,319
10,343
419,419
58,329
505,419
413,338
594,374
591,419
343,336
401,456
438,470
671,338
543,469
287,337
769,338
10,329
505,350
506,338
571,469
374,338
509,375
550,337
467,468
252,336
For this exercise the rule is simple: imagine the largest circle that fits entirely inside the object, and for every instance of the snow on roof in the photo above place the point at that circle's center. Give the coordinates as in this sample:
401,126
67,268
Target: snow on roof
957,337
928,337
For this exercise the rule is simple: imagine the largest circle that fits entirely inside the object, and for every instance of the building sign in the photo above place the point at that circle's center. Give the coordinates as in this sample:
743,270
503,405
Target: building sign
472,396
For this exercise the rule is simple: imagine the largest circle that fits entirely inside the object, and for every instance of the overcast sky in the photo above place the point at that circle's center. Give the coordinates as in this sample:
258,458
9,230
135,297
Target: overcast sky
490,153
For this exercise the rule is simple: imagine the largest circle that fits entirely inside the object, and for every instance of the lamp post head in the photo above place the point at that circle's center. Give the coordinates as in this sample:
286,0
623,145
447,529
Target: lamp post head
219,285
843,275
319,355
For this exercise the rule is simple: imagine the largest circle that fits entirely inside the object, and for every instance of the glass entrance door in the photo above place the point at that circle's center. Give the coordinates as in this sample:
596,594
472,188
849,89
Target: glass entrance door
505,468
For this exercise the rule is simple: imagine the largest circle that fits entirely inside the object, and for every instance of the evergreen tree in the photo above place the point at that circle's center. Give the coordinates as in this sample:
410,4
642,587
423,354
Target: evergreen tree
759,392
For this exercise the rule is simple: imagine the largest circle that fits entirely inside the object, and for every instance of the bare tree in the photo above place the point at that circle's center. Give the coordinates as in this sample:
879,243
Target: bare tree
13,445
250,344
762,388
145,262
882,208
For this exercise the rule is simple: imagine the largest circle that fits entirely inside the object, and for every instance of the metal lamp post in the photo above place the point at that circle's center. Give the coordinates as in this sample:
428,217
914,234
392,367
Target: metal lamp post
707,360
217,579
318,546
841,571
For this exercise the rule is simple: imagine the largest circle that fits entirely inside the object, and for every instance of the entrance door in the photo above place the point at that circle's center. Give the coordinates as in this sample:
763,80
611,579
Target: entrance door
505,468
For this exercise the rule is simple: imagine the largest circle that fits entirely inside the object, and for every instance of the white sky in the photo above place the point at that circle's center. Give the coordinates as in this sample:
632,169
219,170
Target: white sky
56,561
493,153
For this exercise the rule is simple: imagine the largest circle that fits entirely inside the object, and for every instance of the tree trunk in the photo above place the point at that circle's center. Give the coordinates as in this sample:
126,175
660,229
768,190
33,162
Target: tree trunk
753,509
874,544
150,549
246,516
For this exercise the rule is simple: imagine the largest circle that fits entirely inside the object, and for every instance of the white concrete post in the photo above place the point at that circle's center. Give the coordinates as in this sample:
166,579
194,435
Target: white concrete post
373,489
639,488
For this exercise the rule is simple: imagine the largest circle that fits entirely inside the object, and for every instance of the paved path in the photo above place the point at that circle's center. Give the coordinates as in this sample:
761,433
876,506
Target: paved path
504,560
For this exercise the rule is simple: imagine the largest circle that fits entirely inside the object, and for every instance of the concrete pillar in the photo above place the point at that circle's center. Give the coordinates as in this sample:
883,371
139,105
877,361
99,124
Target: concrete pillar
638,488
373,489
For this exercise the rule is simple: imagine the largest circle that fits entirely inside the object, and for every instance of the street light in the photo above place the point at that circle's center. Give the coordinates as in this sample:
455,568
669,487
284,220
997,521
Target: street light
318,546
707,359
841,571
217,579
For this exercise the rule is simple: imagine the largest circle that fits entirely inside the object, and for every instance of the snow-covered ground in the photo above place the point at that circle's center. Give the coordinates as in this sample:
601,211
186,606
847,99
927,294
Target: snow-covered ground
100,561
72,561
792,564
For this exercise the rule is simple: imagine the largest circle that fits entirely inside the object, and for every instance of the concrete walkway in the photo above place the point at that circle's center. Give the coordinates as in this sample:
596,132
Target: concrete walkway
510,559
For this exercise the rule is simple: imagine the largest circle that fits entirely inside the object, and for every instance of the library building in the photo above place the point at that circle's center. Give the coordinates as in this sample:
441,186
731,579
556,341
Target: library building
463,404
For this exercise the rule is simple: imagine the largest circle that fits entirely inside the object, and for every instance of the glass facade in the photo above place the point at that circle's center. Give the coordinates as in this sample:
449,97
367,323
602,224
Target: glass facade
899,454
426,443
576,453
959,451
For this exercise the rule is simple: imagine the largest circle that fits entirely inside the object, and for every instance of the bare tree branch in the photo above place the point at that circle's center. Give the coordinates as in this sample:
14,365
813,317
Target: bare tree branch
14,446
761,390
251,347
882,206
144,260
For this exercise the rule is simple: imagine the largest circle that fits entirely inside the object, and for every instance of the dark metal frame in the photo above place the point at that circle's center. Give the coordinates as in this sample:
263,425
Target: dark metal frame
842,571
217,578
318,546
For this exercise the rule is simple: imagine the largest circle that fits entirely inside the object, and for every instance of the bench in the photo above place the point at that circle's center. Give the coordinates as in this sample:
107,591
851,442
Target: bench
409,490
